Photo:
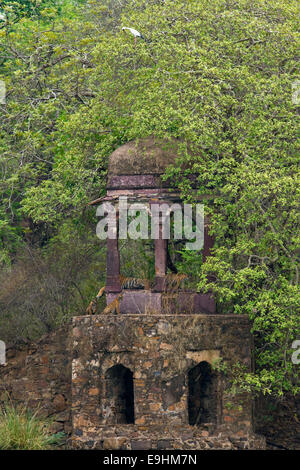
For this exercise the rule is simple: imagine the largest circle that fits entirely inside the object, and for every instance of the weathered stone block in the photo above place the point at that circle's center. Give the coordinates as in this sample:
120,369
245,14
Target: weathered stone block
157,354
141,445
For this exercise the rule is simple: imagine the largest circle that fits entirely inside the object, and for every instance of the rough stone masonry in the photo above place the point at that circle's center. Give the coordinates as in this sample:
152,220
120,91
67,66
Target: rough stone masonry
144,379
134,382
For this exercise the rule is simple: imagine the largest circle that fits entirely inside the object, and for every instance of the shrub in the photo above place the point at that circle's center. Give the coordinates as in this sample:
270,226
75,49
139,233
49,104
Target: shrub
20,429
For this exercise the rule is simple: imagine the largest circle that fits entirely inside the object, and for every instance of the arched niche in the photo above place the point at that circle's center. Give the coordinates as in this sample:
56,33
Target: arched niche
202,395
120,394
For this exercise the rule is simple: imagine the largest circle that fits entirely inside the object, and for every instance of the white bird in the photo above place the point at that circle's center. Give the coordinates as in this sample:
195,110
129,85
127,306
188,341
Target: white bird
135,33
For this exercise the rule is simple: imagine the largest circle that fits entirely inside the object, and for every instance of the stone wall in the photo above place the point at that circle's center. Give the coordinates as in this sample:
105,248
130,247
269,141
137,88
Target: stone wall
39,376
159,351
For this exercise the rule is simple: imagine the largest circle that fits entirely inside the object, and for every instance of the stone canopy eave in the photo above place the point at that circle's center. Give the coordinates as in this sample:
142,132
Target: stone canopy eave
146,195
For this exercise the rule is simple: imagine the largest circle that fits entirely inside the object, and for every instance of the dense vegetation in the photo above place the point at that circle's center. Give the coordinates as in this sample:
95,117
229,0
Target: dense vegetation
216,75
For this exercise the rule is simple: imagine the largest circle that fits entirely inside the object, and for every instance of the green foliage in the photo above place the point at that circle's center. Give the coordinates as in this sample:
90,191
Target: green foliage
21,429
137,258
218,77
12,11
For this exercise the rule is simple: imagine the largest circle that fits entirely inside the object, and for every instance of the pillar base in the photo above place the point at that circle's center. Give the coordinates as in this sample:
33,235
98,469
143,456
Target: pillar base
148,302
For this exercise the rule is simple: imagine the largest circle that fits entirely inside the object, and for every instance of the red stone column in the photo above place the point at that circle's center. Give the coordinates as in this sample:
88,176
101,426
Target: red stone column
160,261
207,300
113,283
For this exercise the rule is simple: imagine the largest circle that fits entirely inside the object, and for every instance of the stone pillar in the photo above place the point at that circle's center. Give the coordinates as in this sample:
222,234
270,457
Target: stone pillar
113,283
160,264
160,246
207,302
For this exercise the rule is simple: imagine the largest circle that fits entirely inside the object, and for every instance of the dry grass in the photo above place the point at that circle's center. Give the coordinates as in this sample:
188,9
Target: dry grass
22,430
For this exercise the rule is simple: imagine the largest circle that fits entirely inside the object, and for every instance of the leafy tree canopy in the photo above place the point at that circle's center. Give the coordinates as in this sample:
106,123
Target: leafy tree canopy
216,75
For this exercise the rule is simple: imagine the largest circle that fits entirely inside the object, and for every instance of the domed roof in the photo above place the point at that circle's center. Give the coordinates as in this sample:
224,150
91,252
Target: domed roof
148,156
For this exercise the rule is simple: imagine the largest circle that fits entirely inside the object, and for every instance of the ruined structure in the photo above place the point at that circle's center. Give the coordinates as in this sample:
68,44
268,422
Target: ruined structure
146,379
134,172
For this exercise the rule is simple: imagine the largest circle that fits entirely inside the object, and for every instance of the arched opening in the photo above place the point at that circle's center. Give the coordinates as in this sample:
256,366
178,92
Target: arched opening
120,394
202,395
